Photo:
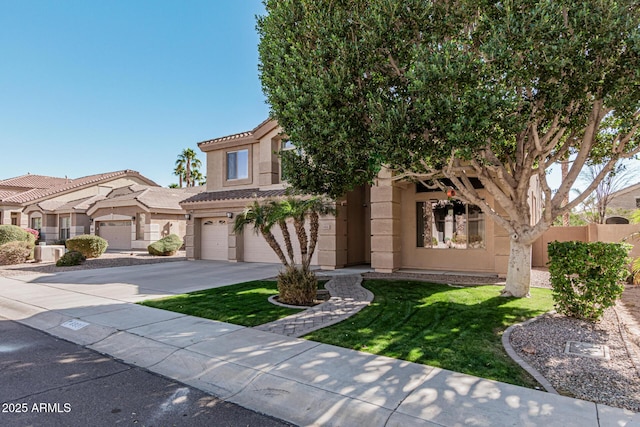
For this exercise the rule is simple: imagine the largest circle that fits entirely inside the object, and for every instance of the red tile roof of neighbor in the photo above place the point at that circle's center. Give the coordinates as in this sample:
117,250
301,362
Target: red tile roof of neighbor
251,193
35,194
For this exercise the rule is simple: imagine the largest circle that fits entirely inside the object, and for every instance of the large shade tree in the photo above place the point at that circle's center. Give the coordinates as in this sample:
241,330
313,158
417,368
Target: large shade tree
493,90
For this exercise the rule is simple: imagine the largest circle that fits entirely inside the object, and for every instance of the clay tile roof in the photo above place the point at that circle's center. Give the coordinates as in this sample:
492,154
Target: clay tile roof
156,197
251,193
226,138
70,184
80,204
33,181
235,135
7,193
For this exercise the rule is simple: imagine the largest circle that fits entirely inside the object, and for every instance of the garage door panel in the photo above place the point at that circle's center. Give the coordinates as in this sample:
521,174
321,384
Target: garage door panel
117,233
256,248
214,243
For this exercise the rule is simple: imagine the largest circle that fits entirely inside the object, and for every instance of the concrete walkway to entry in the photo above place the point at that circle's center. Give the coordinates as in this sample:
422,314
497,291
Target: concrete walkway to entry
300,381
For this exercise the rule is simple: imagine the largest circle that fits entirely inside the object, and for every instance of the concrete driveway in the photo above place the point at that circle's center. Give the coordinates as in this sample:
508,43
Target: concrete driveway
140,282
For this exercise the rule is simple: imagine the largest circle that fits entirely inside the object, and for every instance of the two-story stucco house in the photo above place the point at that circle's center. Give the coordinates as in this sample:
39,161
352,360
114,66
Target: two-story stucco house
391,224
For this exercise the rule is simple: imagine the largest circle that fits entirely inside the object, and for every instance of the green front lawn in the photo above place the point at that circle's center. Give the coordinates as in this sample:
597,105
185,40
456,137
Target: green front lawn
459,329
453,328
242,304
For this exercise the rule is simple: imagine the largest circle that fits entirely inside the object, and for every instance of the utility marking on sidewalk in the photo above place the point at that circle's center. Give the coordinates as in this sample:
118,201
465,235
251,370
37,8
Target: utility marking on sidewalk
74,324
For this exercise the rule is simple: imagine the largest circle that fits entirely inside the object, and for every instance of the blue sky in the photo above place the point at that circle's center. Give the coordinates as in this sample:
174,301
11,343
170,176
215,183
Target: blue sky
92,86
89,86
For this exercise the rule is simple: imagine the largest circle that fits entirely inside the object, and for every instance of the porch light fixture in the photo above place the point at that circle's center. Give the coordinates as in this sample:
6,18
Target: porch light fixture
133,218
187,217
229,215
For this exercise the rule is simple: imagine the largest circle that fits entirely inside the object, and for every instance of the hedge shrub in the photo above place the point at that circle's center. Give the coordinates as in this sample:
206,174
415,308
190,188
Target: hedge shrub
15,252
587,278
13,233
166,246
88,245
71,258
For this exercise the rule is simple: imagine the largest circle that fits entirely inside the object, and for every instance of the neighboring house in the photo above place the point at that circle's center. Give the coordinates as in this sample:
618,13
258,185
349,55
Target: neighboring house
57,206
627,199
135,216
391,224
11,189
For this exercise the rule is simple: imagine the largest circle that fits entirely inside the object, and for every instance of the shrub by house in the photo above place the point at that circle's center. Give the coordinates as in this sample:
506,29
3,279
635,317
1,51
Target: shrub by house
166,246
587,278
88,245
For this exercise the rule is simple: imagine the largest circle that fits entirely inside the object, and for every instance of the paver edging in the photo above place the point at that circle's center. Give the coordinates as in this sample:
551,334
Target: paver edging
506,343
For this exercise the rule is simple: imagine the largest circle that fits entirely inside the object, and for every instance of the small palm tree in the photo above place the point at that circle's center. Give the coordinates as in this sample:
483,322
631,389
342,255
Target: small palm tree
296,285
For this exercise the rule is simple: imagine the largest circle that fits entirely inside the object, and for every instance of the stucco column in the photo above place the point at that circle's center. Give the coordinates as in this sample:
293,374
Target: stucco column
189,238
386,254
236,244
332,239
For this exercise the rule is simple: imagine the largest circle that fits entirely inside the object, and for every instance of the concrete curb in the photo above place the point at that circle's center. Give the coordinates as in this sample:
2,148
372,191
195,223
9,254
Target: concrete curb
506,343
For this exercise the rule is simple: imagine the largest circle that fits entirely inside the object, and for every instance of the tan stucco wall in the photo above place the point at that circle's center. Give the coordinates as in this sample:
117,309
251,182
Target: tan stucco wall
609,233
472,260
269,163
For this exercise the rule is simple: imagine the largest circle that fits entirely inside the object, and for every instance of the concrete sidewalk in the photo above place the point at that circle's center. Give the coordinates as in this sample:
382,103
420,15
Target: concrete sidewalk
300,381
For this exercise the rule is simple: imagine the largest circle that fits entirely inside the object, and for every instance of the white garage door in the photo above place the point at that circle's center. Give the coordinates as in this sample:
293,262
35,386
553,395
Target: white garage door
256,248
214,239
117,233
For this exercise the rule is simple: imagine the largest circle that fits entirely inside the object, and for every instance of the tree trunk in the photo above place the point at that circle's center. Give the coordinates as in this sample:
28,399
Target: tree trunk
287,240
314,225
519,270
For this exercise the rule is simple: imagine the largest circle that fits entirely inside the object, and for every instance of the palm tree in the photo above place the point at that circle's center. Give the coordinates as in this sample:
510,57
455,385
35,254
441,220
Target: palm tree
262,219
197,178
179,172
187,161
296,285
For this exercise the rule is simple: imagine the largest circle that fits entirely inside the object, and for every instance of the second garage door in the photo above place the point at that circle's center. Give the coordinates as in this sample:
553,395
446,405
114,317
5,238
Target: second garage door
256,248
117,233
214,239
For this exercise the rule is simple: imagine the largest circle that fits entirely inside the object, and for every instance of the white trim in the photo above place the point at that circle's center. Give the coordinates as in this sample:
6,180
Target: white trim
112,217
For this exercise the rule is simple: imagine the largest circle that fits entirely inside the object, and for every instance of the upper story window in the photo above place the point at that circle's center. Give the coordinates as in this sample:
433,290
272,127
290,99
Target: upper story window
287,145
449,224
238,164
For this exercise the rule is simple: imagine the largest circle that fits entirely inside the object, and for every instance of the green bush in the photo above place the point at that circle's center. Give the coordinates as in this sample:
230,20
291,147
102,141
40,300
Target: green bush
166,246
88,245
13,233
587,278
297,286
71,258
15,252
